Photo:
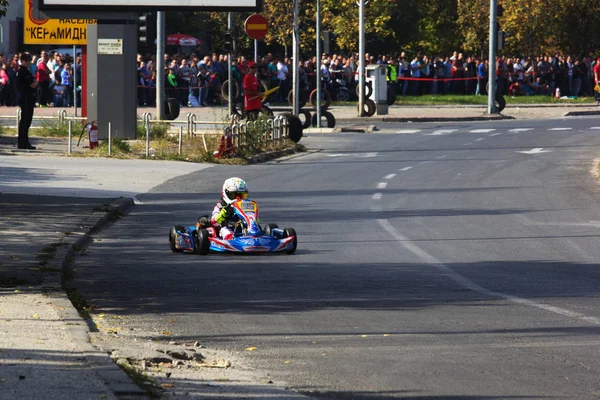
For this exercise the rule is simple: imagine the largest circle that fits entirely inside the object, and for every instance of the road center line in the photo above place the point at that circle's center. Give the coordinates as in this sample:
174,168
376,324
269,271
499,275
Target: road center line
405,168
560,129
377,196
496,134
390,176
381,185
479,139
469,284
482,130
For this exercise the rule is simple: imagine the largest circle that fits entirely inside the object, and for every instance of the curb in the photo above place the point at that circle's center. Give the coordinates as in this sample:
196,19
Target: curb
423,119
581,113
258,158
104,367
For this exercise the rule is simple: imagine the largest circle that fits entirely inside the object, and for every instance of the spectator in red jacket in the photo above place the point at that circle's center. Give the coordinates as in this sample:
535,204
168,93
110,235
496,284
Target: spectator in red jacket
43,76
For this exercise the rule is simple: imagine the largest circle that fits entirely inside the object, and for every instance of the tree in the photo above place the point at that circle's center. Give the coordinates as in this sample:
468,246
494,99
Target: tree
473,23
3,5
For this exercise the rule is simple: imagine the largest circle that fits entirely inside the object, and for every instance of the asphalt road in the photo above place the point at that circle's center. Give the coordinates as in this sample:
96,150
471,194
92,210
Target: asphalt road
439,261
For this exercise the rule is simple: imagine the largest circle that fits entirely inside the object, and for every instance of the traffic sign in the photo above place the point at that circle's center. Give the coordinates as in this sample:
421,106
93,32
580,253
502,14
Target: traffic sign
53,31
256,26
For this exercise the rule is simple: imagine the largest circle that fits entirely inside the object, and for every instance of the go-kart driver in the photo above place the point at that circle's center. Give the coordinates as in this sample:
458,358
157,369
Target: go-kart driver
233,189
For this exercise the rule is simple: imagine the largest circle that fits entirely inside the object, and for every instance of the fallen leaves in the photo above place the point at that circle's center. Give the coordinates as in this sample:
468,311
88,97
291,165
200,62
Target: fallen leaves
251,349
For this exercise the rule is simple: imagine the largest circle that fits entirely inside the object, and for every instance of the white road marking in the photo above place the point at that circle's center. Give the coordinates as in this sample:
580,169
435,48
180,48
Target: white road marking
468,144
381,185
442,132
496,134
595,127
482,130
367,155
390,176
479,139
520,129
408,131
405,168
560,129
469,284
442,156
537,150
377,196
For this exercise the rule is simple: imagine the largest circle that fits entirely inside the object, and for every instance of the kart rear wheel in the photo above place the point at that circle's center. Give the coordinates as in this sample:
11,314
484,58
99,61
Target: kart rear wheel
173,238
287,232
202,242
269,229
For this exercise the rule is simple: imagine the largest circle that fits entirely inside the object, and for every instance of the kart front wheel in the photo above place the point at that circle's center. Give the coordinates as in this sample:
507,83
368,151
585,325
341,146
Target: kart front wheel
269,229
173,238
287,232
202,242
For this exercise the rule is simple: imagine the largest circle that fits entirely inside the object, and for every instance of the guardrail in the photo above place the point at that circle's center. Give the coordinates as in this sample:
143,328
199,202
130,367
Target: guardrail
274,130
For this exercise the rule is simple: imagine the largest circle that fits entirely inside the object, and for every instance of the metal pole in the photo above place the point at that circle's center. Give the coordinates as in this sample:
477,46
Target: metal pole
180,139
492,69
74,82
70,136
361,56
255,51
160,65
229,74
318,74
147,120
109,141
295,78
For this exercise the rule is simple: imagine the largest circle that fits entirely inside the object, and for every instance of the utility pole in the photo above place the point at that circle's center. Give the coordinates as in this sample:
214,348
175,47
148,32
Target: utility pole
295,80
160,64
361,56
318,75
492,69
229,74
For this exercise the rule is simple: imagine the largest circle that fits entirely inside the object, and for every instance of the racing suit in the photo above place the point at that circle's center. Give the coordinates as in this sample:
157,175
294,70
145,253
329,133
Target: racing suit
219,218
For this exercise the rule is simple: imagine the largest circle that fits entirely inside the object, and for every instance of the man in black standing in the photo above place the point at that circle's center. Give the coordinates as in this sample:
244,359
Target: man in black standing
26,85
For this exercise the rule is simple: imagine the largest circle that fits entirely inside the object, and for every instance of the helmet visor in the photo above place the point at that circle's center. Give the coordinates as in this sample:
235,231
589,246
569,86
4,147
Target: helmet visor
235,195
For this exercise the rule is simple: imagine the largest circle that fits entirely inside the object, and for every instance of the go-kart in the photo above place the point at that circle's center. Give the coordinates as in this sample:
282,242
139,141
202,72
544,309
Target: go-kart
248,235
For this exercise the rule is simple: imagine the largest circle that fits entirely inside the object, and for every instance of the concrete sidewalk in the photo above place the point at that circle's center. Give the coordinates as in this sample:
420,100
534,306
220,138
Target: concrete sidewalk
44,348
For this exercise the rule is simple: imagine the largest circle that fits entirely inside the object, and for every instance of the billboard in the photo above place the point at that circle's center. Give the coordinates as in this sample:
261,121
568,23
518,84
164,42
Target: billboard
53,31
146,5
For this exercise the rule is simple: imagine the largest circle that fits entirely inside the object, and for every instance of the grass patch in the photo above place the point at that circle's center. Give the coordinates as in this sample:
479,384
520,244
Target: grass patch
54,128
454,99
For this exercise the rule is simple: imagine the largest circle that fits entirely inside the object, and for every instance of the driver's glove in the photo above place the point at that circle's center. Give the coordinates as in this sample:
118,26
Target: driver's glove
223,215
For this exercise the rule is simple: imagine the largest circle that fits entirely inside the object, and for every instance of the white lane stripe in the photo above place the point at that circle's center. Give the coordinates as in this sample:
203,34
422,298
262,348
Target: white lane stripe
377,196
560,129
469,284
381,185
390,176
408,131
405,168
520,129
443,131
595,127
479,139
468,144
496,134
482,130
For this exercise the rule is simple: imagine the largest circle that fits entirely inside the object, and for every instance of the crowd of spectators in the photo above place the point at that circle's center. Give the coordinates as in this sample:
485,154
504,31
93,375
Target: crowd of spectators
202,77
55,72
196,80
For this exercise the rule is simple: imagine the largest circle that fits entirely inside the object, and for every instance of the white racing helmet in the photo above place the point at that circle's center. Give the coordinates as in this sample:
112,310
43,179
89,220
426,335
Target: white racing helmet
234,188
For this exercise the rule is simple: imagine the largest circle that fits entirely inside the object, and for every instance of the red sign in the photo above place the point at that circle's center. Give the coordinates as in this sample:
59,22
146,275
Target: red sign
256,26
